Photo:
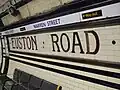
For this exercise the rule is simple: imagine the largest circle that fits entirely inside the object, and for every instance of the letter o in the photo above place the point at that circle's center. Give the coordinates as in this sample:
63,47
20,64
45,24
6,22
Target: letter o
61,41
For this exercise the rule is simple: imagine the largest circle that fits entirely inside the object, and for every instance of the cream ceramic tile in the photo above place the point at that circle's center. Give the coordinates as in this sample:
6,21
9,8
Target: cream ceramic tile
66,1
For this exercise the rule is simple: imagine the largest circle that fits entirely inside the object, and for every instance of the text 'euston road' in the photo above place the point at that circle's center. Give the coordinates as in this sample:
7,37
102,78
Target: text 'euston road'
60,43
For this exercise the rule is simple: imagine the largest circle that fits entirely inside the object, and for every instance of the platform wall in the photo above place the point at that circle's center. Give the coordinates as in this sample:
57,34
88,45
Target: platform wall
76,59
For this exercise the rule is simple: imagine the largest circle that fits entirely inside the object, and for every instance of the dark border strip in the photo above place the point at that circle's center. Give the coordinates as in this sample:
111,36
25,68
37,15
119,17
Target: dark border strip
6,63
7,59
2,53
78,60
96,71
93,80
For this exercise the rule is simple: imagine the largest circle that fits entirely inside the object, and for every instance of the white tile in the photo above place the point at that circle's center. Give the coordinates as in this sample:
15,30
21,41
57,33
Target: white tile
100,87
114,80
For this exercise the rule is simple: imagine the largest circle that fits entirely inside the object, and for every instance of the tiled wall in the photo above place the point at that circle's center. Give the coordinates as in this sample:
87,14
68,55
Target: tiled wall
67,83
63,72
32,8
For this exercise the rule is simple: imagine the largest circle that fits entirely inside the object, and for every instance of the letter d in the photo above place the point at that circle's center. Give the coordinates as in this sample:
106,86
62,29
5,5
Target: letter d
87,42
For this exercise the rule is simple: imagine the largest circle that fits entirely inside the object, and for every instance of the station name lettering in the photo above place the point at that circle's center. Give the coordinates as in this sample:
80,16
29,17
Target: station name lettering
25,42
61,43
70,45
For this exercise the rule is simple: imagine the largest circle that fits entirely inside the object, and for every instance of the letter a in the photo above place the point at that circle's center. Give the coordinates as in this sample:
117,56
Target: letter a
76,36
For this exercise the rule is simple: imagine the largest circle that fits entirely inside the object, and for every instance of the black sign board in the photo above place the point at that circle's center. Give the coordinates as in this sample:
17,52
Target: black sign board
22,29
92,14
